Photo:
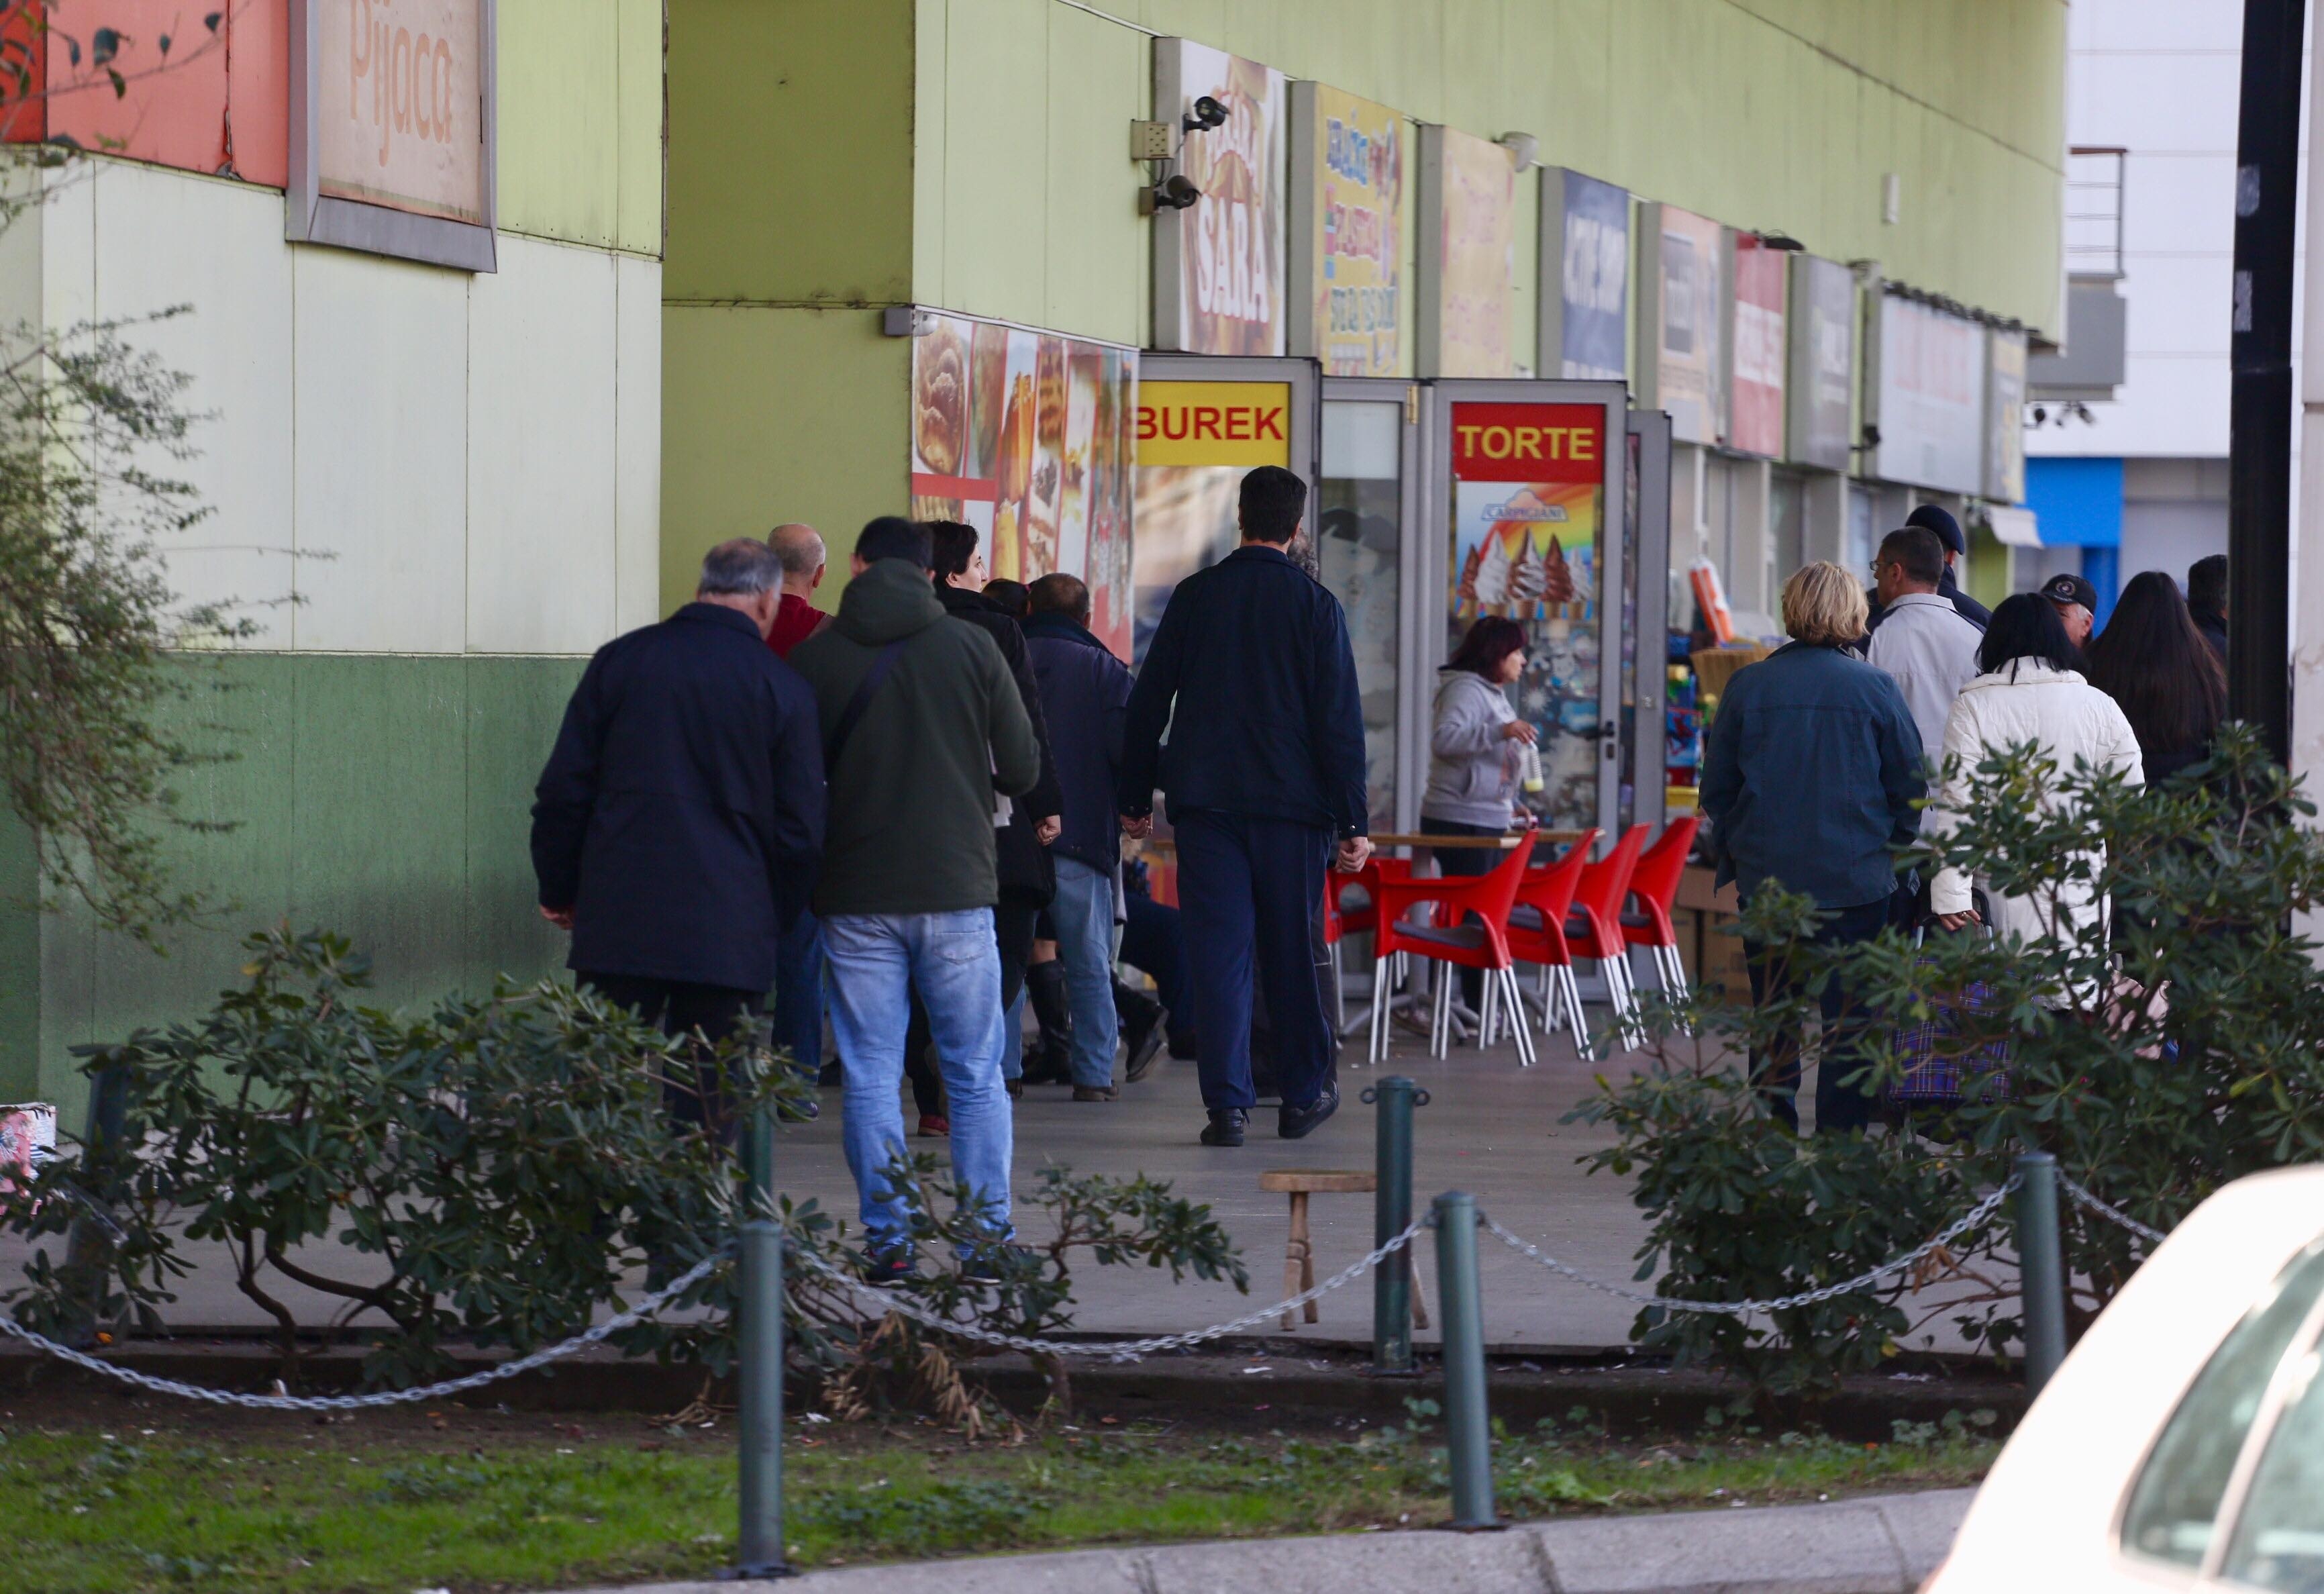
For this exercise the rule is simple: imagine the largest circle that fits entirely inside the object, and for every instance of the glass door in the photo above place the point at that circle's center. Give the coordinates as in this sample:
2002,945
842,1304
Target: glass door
1366,499
1646,622
1527,493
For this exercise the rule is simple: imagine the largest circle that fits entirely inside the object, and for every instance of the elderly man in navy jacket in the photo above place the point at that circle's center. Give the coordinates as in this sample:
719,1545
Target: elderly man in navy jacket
676,828
1251,672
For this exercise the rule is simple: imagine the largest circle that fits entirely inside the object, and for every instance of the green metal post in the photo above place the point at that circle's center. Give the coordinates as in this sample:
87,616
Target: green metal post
1397,1096
2041,1267
1468,1437
759,1548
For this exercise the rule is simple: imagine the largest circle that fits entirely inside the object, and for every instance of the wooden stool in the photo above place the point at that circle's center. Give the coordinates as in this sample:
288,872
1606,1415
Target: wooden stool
1299,1257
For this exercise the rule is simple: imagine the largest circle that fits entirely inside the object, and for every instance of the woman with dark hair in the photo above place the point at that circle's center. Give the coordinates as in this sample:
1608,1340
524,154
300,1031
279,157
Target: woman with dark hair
2155,664
2027,690
1473,752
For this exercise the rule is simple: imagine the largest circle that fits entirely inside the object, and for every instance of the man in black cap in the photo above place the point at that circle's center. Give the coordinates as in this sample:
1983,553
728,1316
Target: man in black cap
1936,518
2077,603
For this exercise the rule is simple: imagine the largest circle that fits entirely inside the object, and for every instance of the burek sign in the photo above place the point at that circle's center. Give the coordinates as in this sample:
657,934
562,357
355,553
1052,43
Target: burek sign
1245,423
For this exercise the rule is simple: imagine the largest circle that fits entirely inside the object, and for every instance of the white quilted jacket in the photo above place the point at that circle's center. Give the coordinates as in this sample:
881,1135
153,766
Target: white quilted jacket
2026,700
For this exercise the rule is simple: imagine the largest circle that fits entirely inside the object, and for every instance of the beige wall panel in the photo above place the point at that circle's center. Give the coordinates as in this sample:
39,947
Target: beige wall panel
1098,243
998,242
541,450
561,118
69,247
639,217
168,238
380,374
637,442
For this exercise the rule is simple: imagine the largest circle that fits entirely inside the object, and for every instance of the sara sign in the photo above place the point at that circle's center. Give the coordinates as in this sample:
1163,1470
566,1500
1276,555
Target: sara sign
1754,404
391,128
1347,237
1219,265
1468,255
1929,398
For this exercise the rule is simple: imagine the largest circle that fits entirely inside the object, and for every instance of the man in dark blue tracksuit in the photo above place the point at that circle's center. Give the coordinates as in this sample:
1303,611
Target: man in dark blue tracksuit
1251,673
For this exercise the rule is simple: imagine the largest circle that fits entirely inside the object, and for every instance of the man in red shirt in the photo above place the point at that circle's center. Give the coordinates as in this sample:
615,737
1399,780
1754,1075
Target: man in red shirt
800,551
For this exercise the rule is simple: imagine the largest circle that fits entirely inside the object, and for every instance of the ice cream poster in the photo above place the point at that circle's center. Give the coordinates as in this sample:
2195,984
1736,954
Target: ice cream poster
1528,498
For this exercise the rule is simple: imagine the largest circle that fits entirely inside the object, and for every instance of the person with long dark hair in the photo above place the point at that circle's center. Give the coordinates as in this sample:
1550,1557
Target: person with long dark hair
1473,753
2028,690
2157,667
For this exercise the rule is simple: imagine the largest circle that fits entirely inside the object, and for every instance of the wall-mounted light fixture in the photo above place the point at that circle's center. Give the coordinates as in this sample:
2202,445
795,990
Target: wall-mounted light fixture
1523,148
1781,240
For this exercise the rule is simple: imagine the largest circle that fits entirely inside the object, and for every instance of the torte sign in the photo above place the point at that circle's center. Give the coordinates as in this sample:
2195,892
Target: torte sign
400,105
1528,497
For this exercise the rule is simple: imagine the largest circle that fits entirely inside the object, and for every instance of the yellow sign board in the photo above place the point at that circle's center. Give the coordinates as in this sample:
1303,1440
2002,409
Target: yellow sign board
1243,423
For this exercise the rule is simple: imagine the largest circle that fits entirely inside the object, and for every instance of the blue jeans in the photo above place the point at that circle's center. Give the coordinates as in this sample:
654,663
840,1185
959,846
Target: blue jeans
873,963
799,992
1083,913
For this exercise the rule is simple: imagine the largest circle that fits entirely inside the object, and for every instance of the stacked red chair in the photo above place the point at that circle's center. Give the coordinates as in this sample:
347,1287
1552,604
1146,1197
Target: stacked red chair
1475,934
1537,935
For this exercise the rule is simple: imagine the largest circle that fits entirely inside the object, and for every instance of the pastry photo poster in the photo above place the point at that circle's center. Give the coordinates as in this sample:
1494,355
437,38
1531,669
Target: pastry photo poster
1023,435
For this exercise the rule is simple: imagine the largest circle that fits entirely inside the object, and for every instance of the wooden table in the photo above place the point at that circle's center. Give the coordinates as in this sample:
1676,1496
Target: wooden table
1500,843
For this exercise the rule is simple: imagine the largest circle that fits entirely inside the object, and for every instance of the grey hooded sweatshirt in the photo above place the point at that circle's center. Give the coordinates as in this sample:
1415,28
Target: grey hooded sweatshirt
1472,769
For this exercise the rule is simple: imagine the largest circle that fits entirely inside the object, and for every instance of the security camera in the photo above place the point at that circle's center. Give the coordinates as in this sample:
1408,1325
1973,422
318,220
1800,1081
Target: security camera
1206,114
1172,193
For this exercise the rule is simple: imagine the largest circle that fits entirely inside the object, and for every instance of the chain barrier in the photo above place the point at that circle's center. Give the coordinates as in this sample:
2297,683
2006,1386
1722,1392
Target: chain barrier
1120,1351
1970,1220
2090,1201
347,1403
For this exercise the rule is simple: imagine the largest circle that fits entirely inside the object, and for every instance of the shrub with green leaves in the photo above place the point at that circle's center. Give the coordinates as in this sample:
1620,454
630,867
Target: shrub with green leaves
2157,1058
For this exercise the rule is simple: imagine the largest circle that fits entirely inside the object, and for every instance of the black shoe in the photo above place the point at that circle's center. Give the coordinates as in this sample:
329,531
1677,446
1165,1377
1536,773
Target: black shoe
1096,1094
885,1269
1296,1123
1225,1127
1144,1040
1044,993
996,1264
828,1075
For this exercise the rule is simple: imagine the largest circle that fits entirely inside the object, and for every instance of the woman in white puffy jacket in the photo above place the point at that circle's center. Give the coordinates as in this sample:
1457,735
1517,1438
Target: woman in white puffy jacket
2027,690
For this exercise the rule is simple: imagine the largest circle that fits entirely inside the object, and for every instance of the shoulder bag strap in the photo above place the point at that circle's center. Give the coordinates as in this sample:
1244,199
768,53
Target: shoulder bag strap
853,714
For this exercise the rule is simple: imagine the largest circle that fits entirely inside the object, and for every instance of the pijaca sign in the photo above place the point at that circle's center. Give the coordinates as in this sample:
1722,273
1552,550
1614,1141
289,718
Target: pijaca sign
391,128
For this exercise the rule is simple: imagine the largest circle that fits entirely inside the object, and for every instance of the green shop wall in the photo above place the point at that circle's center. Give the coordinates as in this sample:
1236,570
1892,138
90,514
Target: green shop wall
383,795
581,121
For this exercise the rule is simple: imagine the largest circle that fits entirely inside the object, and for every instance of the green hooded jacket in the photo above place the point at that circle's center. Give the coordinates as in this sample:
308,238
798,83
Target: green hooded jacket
913,793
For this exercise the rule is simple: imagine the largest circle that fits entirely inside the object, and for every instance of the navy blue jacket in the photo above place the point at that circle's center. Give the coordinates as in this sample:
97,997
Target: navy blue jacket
680,816
1810,776
1251,672
1085,696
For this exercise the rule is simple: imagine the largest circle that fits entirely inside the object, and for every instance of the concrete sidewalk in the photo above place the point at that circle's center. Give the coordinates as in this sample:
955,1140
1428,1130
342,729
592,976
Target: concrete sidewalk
1882,1544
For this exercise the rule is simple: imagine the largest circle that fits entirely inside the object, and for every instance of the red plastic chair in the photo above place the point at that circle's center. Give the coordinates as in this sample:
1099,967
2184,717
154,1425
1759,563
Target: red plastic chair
1351,907
1654,886
1594,927
1483,945
1537,935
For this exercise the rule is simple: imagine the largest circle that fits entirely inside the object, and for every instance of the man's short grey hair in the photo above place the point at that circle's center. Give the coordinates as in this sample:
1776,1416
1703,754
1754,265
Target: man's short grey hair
798,547
742,567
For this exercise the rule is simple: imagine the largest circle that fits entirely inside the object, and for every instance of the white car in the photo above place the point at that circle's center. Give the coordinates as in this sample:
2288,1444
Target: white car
2181,1444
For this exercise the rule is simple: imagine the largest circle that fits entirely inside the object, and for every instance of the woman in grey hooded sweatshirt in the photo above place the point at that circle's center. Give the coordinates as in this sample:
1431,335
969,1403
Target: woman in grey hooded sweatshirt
1474,751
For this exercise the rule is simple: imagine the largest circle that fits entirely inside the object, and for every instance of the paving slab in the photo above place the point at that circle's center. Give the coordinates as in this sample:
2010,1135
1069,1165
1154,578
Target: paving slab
1883,1545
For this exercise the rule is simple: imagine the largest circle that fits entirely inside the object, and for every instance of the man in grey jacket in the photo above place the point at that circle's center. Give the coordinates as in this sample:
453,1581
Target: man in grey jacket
1926,643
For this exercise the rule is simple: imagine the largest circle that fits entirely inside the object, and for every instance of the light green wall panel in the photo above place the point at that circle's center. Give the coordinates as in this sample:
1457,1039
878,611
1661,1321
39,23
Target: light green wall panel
387,797
790,152
771,415
580,121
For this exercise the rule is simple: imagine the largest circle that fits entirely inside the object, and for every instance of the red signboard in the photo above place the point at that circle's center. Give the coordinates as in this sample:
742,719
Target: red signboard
1756,398
1529,442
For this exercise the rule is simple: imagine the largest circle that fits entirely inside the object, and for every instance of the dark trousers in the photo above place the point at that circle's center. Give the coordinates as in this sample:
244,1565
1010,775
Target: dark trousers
1840,1104
799,992
1150,940
677,1007
1013,923
1456,861
1249,889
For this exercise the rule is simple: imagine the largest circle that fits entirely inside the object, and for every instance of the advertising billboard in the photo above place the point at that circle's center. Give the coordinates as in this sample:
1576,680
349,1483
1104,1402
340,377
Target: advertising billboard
392,128
1194,440
2004,443
1468,255
1823,337
1585,266
1219,265
1754,401
1681,322
1930,396
1347,233
1026,437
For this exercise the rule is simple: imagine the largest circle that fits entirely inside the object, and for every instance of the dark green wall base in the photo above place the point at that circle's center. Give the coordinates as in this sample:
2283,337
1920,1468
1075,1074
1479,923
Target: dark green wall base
388,798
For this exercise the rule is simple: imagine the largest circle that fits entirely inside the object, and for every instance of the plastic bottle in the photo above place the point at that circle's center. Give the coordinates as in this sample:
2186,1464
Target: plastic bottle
1529,767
